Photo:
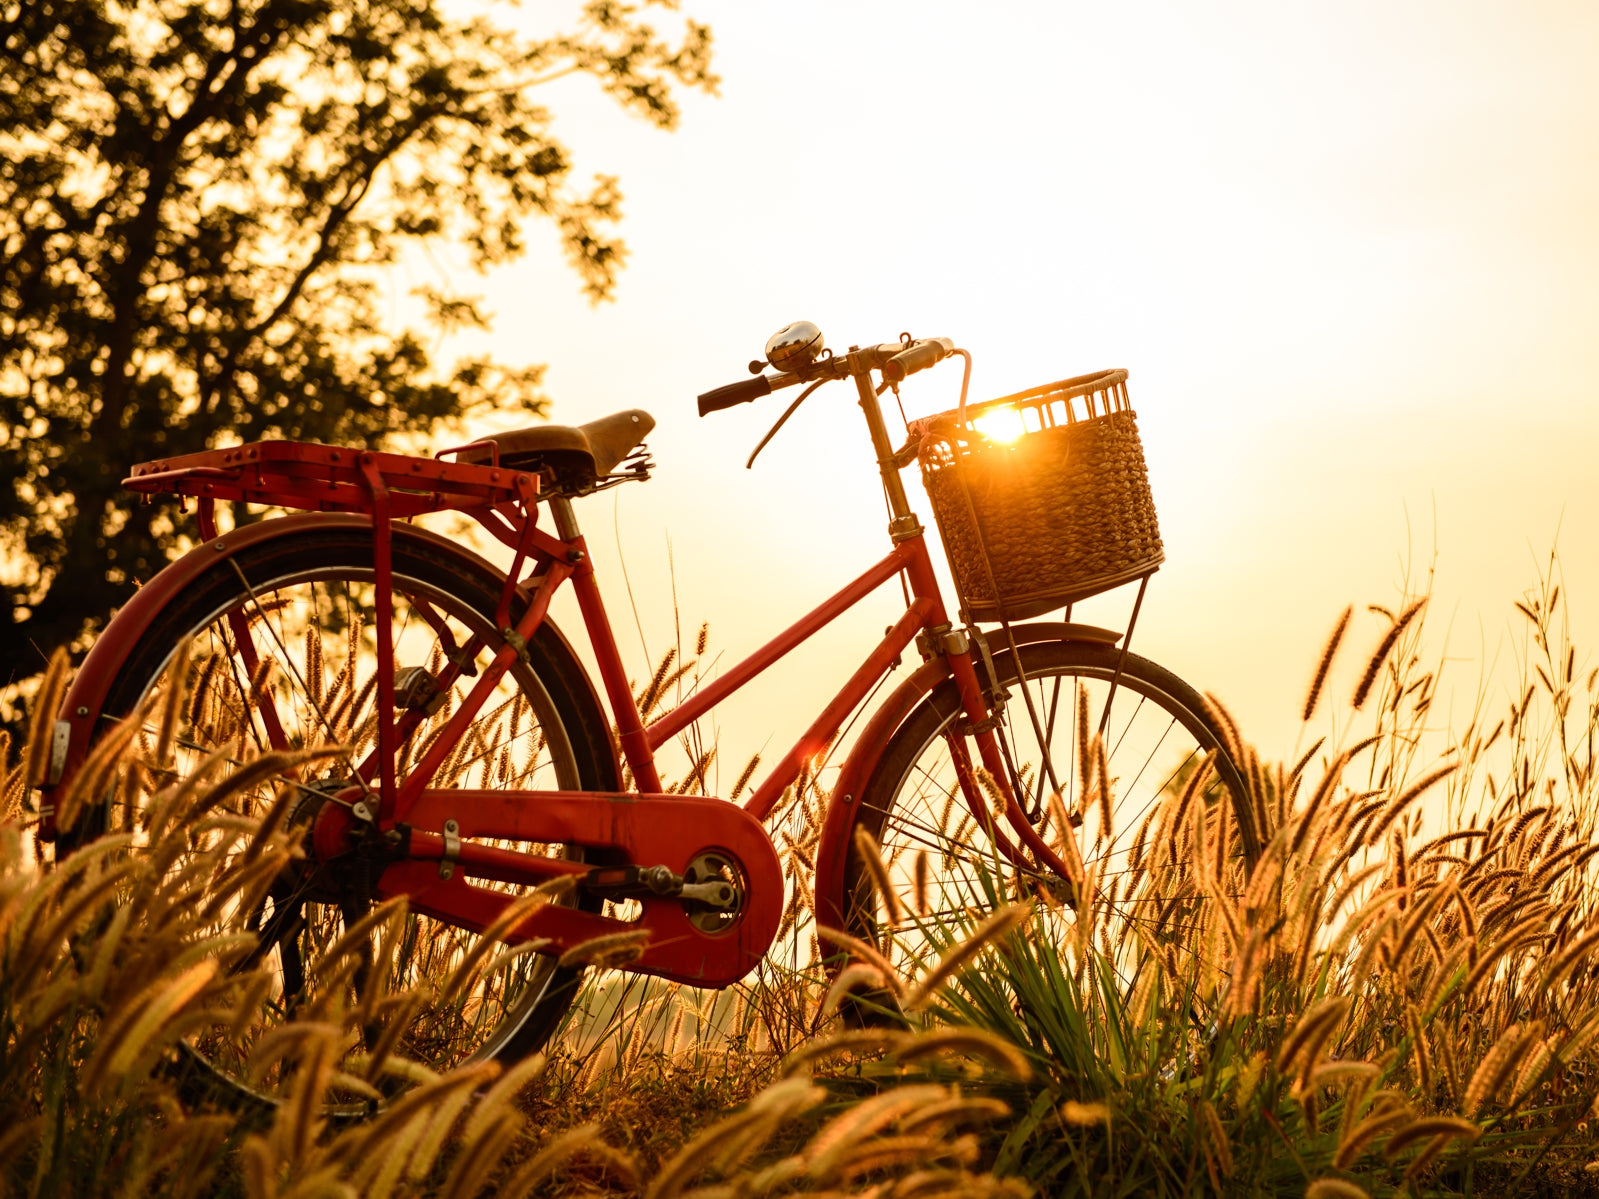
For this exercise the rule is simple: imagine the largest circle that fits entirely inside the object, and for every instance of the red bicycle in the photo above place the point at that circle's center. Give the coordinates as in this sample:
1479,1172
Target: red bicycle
475,758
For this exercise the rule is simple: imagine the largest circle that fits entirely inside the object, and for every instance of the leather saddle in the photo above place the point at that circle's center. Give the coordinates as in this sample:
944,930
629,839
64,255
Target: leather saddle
577,456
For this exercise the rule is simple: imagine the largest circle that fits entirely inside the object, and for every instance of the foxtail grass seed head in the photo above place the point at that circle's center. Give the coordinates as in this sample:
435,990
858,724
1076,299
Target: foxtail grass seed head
659,682
1392,812
744,777
958,955
610,950
1325,663
1357,1139
1085,758
868,954
857,1041
871,858
1102,784
1218,1146
46,704
1384,647
1223,718
1192,787
856,977
1496,1066
1084,1115
979,1043
996,796
1066,838
1311,1032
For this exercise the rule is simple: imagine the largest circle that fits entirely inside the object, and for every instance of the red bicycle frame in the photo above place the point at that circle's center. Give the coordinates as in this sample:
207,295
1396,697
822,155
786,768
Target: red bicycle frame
439,826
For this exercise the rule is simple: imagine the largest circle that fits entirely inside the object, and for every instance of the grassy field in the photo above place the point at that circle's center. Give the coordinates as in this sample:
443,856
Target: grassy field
1398,998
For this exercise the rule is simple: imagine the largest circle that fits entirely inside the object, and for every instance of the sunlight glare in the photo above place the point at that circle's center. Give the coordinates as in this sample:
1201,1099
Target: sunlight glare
1000,424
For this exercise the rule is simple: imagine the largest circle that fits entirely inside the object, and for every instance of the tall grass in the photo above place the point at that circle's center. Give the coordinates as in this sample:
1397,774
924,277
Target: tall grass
1399,997
116,974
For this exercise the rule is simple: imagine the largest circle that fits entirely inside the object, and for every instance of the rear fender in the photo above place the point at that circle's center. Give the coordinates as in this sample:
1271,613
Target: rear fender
81,710
833,848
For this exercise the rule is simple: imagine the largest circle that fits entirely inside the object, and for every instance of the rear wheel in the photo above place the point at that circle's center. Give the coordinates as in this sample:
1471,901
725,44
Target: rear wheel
282,655
942,861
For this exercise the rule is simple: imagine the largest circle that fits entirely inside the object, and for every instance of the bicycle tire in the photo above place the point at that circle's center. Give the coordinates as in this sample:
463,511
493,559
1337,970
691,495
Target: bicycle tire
911,803
290,587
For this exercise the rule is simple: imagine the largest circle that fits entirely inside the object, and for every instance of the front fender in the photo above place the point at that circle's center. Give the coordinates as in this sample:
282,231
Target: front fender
833,848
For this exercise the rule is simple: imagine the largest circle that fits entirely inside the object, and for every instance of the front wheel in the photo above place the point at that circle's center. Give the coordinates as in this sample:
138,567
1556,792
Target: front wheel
941,858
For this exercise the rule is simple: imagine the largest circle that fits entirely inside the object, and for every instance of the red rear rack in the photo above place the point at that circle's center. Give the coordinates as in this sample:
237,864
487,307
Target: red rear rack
325,478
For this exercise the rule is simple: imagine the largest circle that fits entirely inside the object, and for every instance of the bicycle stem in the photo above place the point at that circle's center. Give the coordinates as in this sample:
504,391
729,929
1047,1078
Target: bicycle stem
904,524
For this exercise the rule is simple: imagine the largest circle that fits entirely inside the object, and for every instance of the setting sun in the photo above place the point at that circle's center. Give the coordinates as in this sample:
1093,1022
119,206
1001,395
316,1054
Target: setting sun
1000,424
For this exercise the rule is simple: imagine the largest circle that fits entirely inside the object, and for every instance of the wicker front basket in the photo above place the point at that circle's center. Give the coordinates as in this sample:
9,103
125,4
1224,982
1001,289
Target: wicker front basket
1057,511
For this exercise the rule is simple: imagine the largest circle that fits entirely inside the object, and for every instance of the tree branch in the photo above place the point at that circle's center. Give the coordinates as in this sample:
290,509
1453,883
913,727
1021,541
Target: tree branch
355,191
125,288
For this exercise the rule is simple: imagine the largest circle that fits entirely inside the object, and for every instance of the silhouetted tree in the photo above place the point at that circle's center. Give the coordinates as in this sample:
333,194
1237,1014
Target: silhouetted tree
196,200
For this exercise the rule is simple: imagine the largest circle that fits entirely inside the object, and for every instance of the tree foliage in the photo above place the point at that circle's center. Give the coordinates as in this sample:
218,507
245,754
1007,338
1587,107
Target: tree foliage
197,200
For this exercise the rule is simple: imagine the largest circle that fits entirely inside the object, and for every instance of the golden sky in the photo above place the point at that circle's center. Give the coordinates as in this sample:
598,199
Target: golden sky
1348,252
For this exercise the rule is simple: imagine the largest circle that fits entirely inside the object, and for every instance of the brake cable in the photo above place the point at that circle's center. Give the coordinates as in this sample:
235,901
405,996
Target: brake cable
787,412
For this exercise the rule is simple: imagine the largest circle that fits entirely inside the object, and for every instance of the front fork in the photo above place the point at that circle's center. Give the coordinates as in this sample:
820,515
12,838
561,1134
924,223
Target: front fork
983,726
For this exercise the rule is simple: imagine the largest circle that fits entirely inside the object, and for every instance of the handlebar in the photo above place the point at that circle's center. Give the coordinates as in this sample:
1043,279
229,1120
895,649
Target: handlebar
921,355
735,393
896,360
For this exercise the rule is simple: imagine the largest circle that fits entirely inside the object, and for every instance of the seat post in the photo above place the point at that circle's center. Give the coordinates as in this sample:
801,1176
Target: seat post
565,519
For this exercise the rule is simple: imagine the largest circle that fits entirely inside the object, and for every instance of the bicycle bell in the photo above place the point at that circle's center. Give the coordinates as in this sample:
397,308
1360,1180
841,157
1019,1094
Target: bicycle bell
794,346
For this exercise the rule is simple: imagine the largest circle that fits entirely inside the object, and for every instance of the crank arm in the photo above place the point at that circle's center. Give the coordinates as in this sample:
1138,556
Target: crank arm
638,882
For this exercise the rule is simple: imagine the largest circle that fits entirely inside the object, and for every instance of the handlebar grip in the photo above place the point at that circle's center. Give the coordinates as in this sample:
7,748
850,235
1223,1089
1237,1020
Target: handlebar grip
920,356
735,393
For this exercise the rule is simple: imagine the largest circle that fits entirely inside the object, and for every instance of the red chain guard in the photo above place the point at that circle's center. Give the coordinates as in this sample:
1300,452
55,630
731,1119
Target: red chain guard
642,830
